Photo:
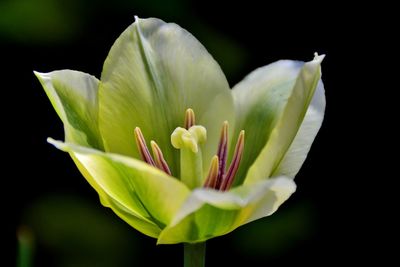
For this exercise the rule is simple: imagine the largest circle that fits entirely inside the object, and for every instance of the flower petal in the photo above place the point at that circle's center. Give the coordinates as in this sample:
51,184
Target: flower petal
73,95
298,150
129,215
153,73
134,189
208,213
270,105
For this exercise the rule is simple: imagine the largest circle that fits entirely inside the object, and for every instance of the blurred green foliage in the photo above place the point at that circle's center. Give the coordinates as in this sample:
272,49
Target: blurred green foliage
25,247
76,233
73,232
275,235
39,21
55,22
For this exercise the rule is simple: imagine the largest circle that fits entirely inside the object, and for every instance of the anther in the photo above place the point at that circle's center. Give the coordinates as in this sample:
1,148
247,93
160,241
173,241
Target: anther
142,147
211,180
160,162
190,119
222,152
234,166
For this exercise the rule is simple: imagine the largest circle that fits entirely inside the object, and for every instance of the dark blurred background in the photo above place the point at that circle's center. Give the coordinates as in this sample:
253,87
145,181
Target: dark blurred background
57,216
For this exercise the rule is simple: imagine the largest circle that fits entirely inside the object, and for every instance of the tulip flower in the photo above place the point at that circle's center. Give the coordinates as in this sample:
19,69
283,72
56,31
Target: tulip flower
170,148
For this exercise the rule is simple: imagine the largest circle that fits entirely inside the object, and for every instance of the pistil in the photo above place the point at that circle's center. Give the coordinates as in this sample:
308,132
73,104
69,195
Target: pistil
188,140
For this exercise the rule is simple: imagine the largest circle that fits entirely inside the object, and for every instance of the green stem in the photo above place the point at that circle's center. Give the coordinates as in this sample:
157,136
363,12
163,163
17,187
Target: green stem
194,254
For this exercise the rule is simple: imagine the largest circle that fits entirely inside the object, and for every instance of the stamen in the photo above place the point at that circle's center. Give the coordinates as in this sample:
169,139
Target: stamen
237,156
222,152
142,147
211,180
161,163
190,119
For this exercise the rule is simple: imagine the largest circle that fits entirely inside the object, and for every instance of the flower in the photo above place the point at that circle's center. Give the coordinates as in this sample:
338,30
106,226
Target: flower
159,83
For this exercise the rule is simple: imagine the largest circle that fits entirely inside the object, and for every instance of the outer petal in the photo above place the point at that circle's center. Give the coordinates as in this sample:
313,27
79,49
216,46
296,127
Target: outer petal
136,191
270,105
74,97
153,73
128,214
298,150
208,213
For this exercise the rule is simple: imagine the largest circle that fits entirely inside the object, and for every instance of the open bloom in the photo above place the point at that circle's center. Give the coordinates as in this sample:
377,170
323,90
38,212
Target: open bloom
220,157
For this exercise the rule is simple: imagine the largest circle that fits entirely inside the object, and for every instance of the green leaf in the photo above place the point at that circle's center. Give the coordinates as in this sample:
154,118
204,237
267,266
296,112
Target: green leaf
142,195
153,73
208,213
270,105
73,95
298,150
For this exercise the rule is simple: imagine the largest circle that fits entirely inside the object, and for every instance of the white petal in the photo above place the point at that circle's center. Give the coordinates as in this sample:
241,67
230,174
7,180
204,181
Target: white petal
297,153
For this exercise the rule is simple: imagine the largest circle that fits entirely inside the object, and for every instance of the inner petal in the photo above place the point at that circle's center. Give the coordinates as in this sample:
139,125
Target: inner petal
153,73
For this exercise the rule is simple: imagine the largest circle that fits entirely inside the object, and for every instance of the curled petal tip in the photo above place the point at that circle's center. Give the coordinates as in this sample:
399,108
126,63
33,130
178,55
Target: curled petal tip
318,58
52,142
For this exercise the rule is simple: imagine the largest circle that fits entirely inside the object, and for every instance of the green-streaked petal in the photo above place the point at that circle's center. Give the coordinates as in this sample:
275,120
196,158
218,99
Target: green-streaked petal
258,98
129,215
144,226
73,95
270,105
298,150
208,213
153,73
138,189
288,122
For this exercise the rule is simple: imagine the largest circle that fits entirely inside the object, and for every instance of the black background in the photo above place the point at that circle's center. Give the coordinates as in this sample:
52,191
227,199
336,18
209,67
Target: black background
345,214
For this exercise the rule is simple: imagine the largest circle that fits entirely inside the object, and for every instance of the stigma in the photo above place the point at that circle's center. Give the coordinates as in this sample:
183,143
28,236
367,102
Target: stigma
189,140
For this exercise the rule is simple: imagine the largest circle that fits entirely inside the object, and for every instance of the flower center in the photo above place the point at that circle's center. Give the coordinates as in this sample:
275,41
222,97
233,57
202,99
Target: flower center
188,140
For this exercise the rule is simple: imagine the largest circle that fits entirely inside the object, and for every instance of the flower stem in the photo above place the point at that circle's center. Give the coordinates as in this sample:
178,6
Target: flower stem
194,254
